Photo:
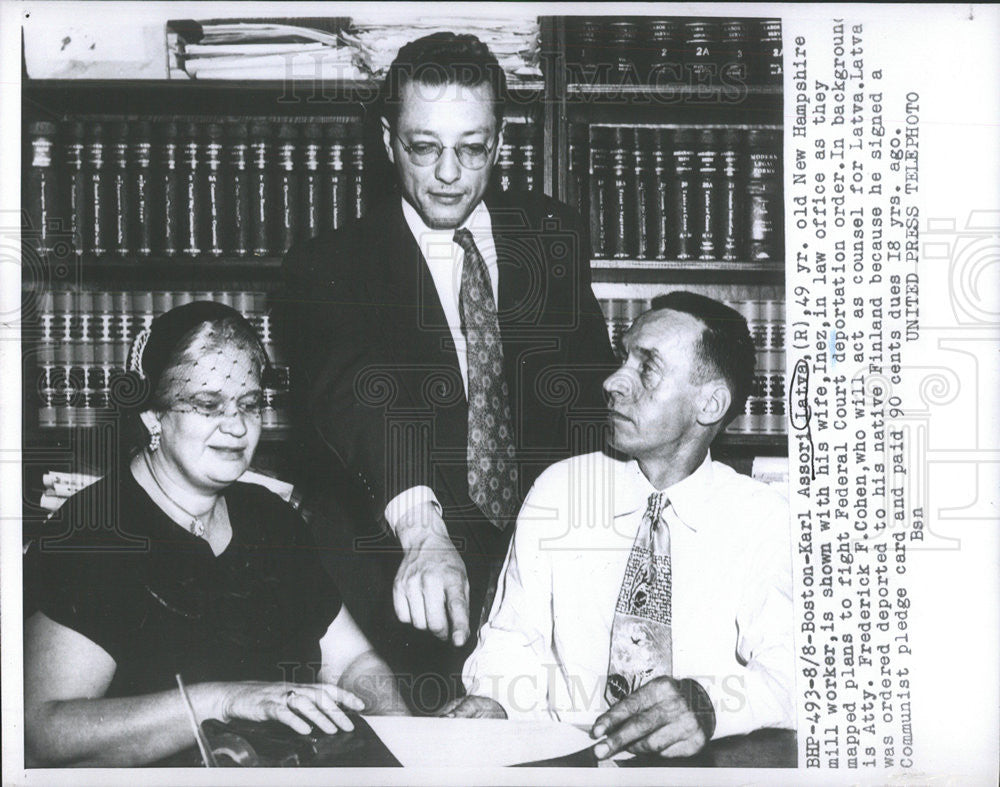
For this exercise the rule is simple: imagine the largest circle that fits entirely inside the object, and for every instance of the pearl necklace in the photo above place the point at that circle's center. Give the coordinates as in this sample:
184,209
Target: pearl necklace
197,526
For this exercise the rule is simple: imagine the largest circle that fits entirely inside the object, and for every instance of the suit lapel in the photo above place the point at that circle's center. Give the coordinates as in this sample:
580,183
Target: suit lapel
414,328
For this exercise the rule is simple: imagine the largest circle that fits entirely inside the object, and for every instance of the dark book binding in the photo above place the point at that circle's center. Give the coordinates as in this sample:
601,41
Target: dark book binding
706,198
681,195
217,214
288,187
237,180
622,206
121,191
260,188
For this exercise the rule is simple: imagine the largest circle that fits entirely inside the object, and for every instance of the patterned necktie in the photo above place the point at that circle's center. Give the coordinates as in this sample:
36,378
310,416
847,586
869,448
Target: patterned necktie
490,453
641,640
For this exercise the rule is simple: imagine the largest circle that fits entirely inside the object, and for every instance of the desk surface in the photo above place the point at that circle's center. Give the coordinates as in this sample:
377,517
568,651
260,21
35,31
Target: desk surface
275,745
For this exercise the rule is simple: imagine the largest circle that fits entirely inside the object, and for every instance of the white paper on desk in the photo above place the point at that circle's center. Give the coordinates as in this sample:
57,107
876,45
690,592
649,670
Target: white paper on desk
475,743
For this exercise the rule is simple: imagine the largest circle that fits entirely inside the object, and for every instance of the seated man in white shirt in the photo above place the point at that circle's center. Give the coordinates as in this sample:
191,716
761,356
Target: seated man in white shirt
586,626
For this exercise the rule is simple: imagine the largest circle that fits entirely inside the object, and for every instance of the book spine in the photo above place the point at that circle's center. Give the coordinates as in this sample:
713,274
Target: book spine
734,52
576,179
357,175
142,188
288,187
681,202
260,188
238,190
622,209
701,38
46,360
336,177
662,42
708,171
216,211
770,69
583,35
97,201
764,214
103,321
627,58
311,184
85,381
63,385
644,191
659,202
505,158
528,158
730,211
192,176
40,188
598,176
76,206
121,203
168,191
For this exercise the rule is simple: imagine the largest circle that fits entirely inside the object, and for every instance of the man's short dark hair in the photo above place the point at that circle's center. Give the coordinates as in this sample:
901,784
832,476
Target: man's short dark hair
443,59
726,348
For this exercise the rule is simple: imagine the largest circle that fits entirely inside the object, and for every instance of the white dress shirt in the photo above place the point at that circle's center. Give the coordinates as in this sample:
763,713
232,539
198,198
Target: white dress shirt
444,259
544,651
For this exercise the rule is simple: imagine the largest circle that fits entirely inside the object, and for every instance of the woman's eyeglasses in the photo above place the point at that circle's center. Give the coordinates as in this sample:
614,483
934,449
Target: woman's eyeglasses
210,406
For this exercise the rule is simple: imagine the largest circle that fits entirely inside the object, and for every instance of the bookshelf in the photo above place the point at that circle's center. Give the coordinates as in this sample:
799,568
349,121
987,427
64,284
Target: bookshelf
322,136
671,126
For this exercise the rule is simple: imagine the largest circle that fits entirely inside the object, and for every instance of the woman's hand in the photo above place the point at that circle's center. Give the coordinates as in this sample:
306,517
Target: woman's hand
294,704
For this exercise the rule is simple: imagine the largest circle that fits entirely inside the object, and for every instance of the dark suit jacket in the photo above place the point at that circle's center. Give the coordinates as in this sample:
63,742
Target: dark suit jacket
375,370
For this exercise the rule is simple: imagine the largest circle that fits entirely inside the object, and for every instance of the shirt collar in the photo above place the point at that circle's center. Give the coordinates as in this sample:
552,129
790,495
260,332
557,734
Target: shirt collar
478,223
690,497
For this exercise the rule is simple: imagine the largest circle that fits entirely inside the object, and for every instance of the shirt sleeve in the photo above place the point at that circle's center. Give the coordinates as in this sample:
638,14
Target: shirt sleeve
509,662
761,693
407,499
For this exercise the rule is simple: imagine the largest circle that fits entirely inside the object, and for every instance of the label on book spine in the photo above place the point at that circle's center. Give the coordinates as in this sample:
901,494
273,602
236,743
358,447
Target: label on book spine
141,182
121,207
238,190
681,207
708,170
214,200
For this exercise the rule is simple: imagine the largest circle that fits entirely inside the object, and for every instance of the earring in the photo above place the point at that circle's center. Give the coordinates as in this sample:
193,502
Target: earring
154,437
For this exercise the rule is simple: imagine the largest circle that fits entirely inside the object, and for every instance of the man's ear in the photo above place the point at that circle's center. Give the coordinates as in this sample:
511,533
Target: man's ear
715,401
387,140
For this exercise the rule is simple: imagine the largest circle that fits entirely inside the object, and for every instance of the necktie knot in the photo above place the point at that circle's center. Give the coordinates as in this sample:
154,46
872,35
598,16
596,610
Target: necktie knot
655,506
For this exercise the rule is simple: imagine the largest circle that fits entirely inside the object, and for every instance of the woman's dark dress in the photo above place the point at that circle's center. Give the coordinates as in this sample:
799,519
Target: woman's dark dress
112,566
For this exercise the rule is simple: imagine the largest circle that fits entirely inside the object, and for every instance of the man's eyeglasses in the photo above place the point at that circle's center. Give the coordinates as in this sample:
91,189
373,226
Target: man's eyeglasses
249,406
474,155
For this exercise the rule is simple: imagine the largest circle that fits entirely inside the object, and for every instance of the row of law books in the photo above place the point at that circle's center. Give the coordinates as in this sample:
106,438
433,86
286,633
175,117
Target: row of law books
197,189
83,342
189,187
678,194
519,164
668,51
765,408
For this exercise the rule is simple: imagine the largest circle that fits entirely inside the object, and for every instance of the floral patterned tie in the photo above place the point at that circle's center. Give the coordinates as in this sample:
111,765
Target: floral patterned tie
492,472
641,637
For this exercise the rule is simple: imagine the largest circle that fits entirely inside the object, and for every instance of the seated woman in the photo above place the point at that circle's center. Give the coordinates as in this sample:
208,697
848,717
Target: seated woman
169,567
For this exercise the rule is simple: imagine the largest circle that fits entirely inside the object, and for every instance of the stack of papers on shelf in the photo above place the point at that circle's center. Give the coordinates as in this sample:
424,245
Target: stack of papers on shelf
514,39
57,487
261,49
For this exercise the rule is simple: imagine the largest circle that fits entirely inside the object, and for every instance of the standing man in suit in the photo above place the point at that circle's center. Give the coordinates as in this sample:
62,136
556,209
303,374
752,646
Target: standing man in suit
446,348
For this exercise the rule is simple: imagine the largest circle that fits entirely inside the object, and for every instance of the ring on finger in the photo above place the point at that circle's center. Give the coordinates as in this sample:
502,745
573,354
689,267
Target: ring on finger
289,695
